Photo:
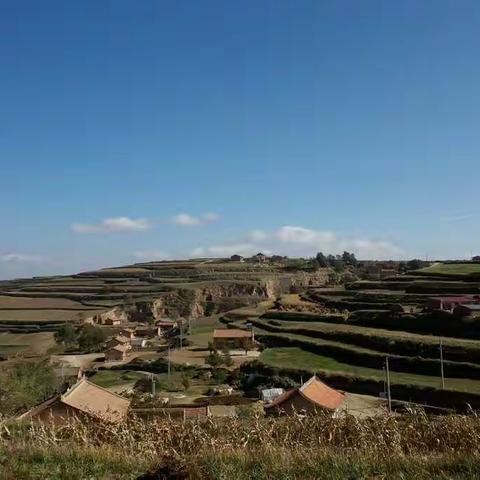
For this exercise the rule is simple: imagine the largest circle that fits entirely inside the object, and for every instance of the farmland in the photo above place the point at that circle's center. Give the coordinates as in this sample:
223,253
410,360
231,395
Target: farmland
345,334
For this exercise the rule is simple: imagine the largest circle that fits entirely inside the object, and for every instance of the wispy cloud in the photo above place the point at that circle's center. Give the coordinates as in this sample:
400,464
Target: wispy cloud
187,220
298,241
456,218
110,225
21,258
147,255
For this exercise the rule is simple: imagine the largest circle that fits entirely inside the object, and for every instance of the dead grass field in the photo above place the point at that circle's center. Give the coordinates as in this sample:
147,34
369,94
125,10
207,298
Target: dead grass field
46,315
26,343
20,303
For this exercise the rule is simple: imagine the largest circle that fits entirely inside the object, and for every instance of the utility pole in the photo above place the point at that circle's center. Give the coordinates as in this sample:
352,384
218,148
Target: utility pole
181,335
441,364
169,362
389,396
153,384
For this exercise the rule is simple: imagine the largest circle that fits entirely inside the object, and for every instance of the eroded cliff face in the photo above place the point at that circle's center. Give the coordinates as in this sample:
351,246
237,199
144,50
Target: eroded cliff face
218,297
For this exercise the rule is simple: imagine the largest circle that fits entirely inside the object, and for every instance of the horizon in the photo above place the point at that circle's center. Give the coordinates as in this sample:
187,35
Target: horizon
149,131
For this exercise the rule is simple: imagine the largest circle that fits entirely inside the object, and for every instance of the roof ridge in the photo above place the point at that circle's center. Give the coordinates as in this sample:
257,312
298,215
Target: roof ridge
308,382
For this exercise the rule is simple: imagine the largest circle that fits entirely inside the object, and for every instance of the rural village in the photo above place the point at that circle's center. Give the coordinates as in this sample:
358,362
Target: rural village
242,337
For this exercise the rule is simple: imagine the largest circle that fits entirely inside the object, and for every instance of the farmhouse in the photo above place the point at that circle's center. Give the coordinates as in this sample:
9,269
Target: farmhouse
118,340
236,258
260,258
127,333
448,303
233,338
154,331
312,397
117,353
83,399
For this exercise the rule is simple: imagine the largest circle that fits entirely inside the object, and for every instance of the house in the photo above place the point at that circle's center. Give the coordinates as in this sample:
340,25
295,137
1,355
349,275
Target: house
138,343
117,353
448,303
270,394
277,258
112,321
153,331
127,333
166,326
260,258
118,340
476,258
312,397
466,310
82,399
233,339
236,258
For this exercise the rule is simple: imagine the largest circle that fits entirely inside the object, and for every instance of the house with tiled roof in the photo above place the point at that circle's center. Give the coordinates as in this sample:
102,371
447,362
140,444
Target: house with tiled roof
312,397
117,353
118,340
233,338
82,399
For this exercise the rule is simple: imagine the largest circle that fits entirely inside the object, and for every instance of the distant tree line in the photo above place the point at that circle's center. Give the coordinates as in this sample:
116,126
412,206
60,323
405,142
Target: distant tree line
337,262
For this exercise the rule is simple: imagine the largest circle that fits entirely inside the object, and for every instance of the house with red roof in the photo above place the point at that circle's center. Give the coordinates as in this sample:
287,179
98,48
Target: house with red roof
312,397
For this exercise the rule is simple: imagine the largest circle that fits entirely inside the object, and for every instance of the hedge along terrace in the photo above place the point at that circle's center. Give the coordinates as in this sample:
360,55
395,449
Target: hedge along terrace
439,323
261,373
273,336
401,343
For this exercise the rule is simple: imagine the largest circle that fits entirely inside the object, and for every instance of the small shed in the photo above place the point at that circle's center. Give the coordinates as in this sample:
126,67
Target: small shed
236,258
270,394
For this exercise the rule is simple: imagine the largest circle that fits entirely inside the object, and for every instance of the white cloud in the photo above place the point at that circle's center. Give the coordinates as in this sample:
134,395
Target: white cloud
21,258
300,235
150,255
258,235
226,250
186,220
456,218
117,224
296,241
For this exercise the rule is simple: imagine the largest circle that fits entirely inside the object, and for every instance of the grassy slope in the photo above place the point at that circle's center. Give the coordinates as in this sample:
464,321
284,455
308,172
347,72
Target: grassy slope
451,269
112,378
292,357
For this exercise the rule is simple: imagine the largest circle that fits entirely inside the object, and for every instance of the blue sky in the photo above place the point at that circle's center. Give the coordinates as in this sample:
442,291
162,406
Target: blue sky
160,129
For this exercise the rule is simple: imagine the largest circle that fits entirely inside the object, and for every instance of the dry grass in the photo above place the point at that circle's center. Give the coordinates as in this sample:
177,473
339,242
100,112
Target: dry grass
409,446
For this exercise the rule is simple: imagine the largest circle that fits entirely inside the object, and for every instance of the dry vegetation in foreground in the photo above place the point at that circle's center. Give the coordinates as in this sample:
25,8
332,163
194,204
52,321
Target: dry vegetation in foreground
412,446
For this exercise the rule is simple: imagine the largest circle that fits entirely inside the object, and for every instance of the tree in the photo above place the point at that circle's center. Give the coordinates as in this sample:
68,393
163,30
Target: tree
227,360
211,347
66,335
91,338
322,260
214,359
186,379
415,264
26,384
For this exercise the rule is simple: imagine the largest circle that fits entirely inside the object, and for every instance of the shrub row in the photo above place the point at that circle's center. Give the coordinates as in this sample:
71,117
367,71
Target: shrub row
404,346
437,323
367,358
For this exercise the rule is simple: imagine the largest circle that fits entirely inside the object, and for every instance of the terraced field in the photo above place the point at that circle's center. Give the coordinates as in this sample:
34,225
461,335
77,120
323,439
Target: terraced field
368,321
157,289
